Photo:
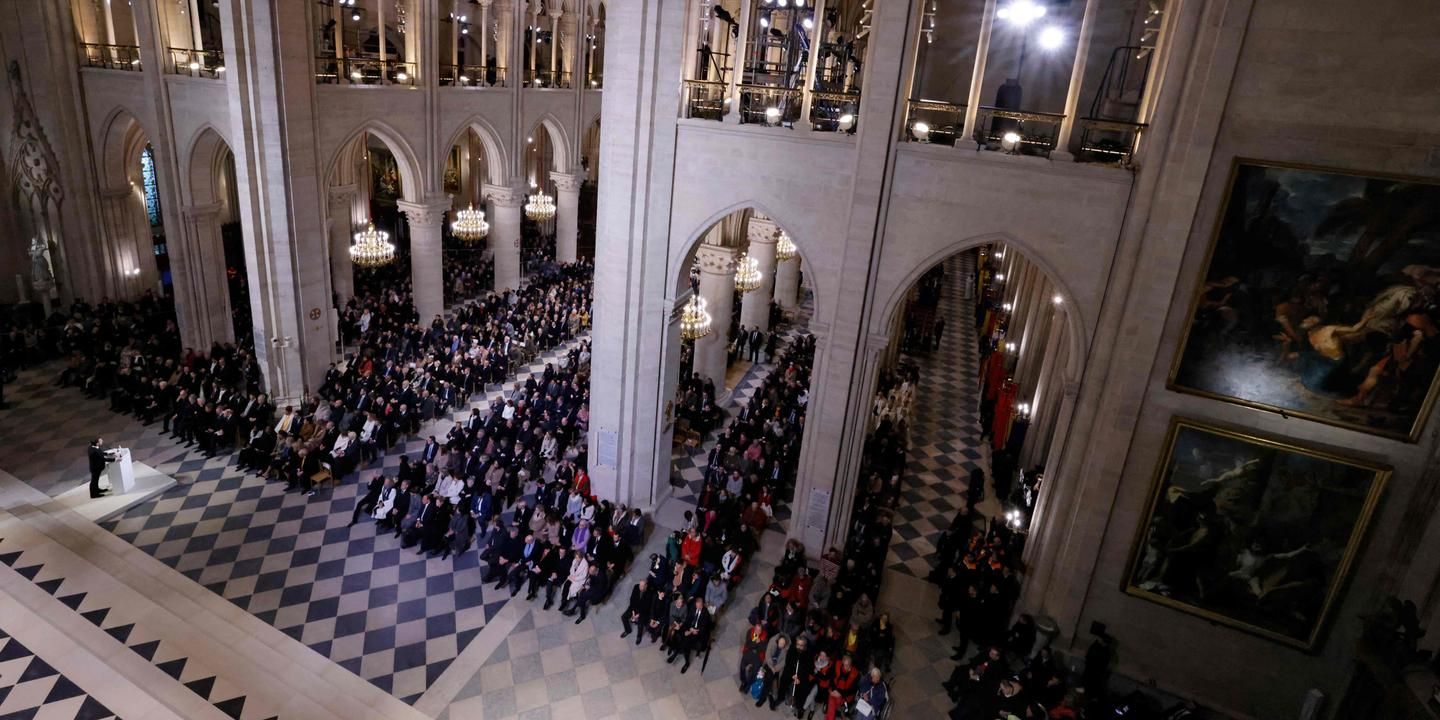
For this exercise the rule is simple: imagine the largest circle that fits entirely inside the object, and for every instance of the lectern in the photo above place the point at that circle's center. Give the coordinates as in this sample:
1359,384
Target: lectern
121,471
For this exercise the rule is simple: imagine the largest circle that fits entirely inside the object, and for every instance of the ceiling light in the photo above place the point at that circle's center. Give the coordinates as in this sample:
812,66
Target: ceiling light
1051,38
1021,12
1057,300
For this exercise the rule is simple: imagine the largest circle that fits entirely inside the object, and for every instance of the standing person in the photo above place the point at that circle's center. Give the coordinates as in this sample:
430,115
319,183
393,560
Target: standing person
939,330
99,458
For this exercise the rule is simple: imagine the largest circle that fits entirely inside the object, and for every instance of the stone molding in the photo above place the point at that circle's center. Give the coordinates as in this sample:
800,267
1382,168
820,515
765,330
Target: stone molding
716,260
507,196
424,215
567,182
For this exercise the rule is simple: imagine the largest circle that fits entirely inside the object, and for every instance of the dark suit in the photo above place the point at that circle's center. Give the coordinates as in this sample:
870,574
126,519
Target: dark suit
98,460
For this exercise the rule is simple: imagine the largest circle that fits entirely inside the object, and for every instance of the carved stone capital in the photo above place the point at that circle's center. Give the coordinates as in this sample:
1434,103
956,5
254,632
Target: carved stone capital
509,196
716,260
424,215
567,182
762,230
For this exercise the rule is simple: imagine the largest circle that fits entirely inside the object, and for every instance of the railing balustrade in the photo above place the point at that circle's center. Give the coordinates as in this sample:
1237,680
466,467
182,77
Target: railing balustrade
1018,132
834,111
704,99
363,71
472,76
1108,141
549,79
766,105
197,63
933,121
112,57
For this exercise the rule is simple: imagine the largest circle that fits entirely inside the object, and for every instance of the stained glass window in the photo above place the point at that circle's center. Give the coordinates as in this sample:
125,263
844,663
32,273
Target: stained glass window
152,187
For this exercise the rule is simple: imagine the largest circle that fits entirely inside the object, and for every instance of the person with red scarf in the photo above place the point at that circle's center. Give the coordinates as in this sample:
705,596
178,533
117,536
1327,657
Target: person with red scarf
690,549
842,686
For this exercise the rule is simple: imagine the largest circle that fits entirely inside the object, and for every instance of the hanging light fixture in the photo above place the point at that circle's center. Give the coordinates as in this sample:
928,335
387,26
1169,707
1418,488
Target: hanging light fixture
372,247
747,274
540,207
785,249
694,319
470,225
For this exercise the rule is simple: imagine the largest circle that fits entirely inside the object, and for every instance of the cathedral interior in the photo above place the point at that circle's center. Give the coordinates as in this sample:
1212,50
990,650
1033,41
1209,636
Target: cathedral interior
719,359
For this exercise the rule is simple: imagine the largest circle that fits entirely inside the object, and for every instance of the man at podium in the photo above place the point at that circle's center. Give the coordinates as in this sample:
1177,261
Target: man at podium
99,457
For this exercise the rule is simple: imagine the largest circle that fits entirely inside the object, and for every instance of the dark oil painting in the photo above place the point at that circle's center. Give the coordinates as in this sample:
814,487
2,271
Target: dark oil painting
1320,299
1251,532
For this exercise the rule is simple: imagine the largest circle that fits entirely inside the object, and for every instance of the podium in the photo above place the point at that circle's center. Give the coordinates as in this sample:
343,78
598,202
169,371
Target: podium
120,473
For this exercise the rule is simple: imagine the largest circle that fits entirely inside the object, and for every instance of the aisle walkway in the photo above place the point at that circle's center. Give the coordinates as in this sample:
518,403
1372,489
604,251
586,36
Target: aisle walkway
945,440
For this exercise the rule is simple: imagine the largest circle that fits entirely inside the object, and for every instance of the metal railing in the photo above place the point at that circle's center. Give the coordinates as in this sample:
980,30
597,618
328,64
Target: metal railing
834,111
765,105
196,63
363,71
547,79
113,57
1017,131
1108,141
704,99
472,76
596,82
933,121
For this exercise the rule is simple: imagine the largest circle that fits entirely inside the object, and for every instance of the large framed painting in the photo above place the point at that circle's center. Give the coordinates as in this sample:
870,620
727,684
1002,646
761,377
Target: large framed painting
1321,299
1252,532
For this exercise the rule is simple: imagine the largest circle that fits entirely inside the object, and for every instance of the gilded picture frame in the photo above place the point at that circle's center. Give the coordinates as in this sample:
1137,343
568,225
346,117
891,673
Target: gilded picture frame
1251,532
1317,299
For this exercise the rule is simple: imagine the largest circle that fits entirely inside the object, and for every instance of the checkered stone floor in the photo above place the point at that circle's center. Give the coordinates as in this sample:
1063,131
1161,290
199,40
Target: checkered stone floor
31,688
386,614
689,463
945,440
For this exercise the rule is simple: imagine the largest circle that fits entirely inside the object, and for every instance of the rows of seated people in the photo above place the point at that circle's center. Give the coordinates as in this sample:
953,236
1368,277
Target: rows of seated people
405,375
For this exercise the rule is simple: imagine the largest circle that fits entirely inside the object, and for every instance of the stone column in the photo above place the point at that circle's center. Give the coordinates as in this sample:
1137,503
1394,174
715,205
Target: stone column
567,215
342,272
505,234
787,283
737,62
977,79
207,294
426,271
555,13
1077,79
1045,399
717,288
755,305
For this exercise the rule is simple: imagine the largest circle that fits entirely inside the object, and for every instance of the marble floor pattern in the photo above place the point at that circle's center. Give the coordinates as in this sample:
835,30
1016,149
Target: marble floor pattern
945,442
32,689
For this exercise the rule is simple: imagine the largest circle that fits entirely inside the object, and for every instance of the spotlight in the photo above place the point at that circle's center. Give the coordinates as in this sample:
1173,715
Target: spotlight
921,131
846,122
355,74
1008,307
772,115
808,23
355,16
1010,141
194,65
219,69
1051,38
764,22
1021,12
999,276
1057,300
402,77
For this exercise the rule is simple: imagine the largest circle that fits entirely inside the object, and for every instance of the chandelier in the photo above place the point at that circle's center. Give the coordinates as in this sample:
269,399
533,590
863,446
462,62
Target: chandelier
470,225
372,248
785,250
694,319
747,274
541,207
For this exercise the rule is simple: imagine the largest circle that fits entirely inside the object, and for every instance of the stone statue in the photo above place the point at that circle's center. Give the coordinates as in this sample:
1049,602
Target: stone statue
40,269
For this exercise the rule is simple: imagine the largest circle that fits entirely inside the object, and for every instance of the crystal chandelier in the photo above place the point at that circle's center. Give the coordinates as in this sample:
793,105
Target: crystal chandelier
747,274
470,225
785,250
372,248
694,319
541,207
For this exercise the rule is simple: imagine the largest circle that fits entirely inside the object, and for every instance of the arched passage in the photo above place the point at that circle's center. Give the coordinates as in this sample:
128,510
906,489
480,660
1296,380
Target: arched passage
475,160
741,385
546,169
985,343
135,255
372,172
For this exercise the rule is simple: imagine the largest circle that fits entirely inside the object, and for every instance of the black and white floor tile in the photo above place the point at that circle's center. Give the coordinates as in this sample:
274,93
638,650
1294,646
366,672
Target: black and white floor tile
945,444
31,689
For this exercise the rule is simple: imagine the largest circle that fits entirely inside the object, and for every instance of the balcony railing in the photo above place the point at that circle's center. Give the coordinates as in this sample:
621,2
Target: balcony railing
765,105
196,63
1017,131
596,82
704,99
472,76
363,71
834,111
547,79
933,121
113,57
1108,141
